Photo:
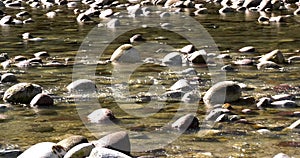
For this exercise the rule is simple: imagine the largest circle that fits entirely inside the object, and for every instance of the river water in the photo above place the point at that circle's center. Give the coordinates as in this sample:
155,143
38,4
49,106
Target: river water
63,38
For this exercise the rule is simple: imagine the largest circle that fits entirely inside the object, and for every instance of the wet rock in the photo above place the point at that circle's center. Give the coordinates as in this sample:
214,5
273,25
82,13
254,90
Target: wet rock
264,4
294,125
267,65
6,20
263,19
189,71
41,100
247,49
10,153
297,11
284,104
169,3
117,141
188,49
81,18
106,153
44,149
173,59
72,141
27,21
166,25
106,13
293,59
82,86
263,103
226,10
182,85
263,131
72,4
80,150
126,53
164,15
3,57
201,11
21,93
251,3
191,97
281,155
186,123
173,96
222,92
42,54
198,57
228,68
283,97
102,115
136,38
135,10
113,23
275,56
214,114
22,14
8,77
51,14
29,37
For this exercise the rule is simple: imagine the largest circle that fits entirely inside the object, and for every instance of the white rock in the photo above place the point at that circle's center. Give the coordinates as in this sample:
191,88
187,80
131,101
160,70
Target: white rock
126,53
44,150
106,153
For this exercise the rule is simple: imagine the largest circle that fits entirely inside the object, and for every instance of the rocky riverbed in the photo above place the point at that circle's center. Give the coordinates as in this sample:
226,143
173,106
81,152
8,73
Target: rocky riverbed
233,95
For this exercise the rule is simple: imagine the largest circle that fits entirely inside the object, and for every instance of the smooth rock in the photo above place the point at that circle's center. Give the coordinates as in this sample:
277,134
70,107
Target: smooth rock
81,18
126,53
41,100
173,96
82,86
201,11
10,153
182,85
164,15
102,115
247,49
172,59
222,92
136,38
189,71
214,114
297,11
293,59
264,4
275,56
198,57
191,97
6,20
135,10
267,65
294,125
44,150
80,151
228,68
72,141
226,10
279,97
20,58
3,57
51,14
22,14
99,152
284,104
186,122
281,155
106,13
9,77
21,93
243,62
42,54
263,20
188,49
263,103
117,141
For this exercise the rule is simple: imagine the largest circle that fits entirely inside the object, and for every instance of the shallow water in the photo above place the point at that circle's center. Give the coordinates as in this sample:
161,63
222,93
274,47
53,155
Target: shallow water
63,37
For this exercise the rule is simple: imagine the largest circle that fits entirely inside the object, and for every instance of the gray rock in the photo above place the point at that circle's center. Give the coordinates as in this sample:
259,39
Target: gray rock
126,53
293,59
21,93
226,10
186,123
198,57
188,49
189,71
80,150
102,115
222,92
106,153
214,114
82,86
275,56
191,97
201,11
117,141
44,150
113,23
284,104
8,77
6,20
135,10
182,85
164,15
267,65
281,155
72,141
173,59
10,153
41,100
173,96
247,49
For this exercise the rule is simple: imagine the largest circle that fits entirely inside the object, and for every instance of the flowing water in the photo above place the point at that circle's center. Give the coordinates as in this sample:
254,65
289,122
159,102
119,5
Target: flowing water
63,37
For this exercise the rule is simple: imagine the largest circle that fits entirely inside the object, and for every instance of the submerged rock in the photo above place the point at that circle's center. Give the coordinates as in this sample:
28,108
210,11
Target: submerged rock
101,116
82,86
222,92
72,141
186,123
21,93
44,150
106,153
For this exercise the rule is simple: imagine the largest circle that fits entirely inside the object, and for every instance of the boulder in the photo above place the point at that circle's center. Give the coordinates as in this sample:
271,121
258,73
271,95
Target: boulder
22,93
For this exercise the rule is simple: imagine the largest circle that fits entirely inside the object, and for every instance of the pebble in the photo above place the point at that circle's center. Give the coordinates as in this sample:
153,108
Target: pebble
117,141
72,141
186,123
80,150
41,100
222,92
172,59
126,53
198,57
102,115
275,56
106,153
82,86
21,93
9,78
247,49
43,150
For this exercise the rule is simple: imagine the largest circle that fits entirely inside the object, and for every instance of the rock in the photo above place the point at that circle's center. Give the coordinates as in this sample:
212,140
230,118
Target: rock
247,49
281,155
6,20
251,3
198,57
186,123
263,103
243,62
3,57
72,141
82,86
51,14
10,153
267,65
297,11
42,54
113,23
27,21
293,59
135,10
72,4
136,38
173,96
226,10
264,4
214,114
81,18
284,104
117,141
126,53
201,11
188,49
263,131
189,71
106,153
294,125
106,13
164,15
169,3
8,77
222,92
191,97
283,97
80,150
227,68
182,85
263,20
173,59
21,93
44,150
275,56
102,115
22,14
41,100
